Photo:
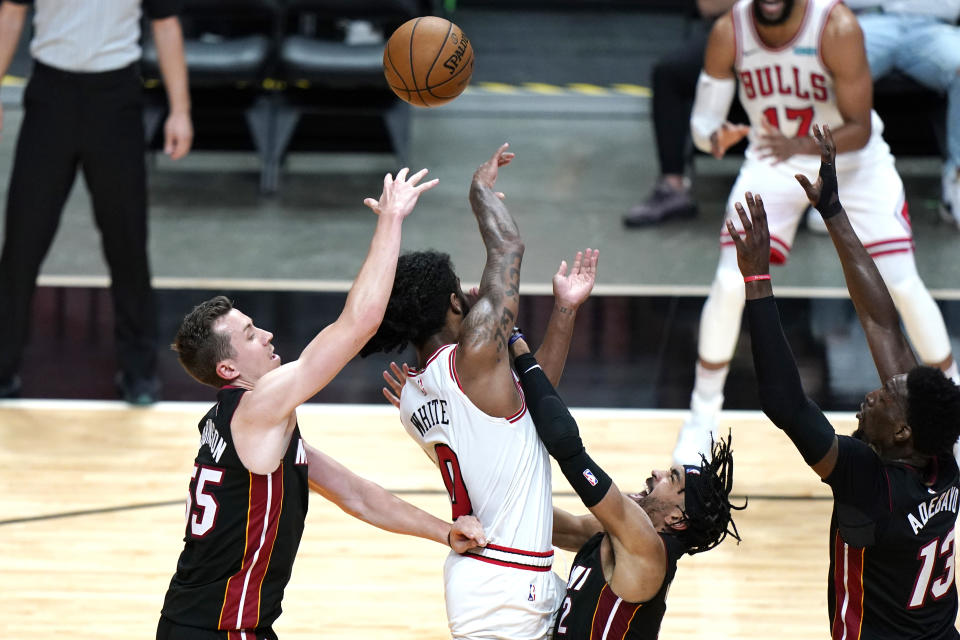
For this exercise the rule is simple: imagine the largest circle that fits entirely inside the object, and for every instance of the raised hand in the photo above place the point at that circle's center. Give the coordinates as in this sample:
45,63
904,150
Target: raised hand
823,194
467,533
400,194
395,379
486,174
571,290
726,136
753,248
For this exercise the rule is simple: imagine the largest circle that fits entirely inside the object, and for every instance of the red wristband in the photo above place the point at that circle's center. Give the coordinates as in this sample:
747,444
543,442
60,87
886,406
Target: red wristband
765,276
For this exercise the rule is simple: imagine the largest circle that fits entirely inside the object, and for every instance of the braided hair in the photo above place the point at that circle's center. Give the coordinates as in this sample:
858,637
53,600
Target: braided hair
707,508
418,303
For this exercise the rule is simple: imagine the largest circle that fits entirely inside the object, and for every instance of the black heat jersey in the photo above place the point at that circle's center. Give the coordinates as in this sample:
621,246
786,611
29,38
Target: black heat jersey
591,611
892,547
242,534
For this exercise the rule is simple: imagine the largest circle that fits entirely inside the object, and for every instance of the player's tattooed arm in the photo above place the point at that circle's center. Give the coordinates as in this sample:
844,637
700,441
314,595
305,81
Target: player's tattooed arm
482,361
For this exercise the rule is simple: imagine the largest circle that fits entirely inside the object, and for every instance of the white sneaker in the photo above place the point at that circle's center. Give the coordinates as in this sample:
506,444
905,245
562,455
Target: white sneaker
695,438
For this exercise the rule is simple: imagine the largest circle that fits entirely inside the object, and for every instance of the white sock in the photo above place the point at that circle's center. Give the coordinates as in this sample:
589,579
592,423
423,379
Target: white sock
707,397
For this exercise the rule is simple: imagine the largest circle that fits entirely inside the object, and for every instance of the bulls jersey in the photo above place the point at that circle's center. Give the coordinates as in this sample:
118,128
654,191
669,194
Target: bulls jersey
242,532
591,611
892,547
498,470
790,86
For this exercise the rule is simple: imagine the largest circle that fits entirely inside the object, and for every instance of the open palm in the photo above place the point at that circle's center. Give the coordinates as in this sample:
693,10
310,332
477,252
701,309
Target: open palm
573,288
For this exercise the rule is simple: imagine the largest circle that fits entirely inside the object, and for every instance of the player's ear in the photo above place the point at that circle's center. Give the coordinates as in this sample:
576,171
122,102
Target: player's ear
902,433
227,369
456,304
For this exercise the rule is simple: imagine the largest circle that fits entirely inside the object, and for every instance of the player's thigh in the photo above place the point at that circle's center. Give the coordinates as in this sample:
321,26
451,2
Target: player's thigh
783,200
873,197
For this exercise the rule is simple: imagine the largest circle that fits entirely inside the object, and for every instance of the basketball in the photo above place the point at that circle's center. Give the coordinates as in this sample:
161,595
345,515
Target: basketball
428,61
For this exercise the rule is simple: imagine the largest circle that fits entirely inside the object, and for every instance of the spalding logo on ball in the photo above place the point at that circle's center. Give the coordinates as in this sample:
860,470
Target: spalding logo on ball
428,61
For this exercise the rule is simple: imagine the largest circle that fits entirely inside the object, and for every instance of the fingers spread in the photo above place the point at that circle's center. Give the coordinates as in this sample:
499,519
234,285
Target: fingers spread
415,178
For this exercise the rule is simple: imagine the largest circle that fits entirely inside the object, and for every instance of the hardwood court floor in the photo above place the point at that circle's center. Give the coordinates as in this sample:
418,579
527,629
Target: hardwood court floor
91,521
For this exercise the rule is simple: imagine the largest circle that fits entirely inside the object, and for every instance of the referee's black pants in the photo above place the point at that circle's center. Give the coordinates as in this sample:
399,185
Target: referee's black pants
91,121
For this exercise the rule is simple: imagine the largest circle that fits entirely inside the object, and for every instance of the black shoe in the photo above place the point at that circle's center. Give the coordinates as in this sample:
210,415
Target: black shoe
137,391
662,204
10,388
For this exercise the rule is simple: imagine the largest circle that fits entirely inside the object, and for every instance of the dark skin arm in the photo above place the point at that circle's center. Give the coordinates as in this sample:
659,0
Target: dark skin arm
482,361
570,290
844,55
878,315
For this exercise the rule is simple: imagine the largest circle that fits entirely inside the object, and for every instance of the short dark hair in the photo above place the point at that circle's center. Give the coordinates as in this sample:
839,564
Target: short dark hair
707,501
418,303
199,348
933,410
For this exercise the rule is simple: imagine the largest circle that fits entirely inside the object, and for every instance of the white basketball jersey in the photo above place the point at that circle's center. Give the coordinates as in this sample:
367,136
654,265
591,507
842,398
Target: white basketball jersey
790,86
494,468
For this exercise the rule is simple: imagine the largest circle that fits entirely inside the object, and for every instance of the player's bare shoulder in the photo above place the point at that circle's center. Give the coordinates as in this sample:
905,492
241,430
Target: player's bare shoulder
841,24
721,47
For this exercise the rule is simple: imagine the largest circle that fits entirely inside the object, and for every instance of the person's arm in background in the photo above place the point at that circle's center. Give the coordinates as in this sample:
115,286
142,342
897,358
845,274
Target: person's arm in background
12,17
178,129
709,128
569,292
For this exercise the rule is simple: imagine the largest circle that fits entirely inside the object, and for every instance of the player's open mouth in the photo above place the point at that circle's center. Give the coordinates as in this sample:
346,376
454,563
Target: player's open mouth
771,10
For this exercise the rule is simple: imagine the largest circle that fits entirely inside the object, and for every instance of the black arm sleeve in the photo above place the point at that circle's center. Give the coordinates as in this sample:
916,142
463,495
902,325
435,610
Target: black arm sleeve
559,433
158,9
778,382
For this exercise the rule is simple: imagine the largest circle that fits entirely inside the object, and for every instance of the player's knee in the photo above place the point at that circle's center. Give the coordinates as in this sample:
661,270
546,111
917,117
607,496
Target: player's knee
728,283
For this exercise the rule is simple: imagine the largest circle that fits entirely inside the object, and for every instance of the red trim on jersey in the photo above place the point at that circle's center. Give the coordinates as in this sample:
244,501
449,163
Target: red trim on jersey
523,405
778,253
612,615
412,372
521,552
230,386
453,368
823,27
803,25
889,490
504,563
848,587
265,503
890,241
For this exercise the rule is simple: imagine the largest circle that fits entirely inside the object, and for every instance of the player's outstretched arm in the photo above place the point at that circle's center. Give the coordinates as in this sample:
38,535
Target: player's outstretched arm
373,504
570,290
640,561
482,361
262,422
878,315
571,532
778,381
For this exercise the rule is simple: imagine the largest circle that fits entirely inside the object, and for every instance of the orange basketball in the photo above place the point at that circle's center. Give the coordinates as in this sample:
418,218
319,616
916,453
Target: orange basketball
428,61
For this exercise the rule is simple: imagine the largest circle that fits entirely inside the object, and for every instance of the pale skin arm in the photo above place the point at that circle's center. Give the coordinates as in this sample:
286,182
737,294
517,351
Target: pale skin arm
178,129
844,55
368,501
718,62
12,17
265,417
570,290
482,361
571,532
